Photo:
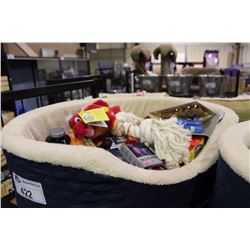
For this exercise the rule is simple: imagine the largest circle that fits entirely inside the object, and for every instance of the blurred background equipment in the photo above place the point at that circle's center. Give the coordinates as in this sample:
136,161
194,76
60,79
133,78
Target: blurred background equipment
150,83
212,85
168,58
179,84
211,58
140,57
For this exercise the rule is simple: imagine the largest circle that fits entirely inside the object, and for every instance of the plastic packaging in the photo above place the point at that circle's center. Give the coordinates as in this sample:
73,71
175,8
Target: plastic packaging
194,125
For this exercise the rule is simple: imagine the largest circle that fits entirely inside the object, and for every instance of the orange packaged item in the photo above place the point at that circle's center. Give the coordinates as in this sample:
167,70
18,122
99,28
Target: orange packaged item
73,140
83,142
196,145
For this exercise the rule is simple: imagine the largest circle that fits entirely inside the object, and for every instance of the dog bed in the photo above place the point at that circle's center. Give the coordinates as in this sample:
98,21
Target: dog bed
77,176
233,171
240,105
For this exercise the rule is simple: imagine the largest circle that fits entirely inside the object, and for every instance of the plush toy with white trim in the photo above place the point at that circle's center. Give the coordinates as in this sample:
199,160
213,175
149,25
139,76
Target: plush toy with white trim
170,141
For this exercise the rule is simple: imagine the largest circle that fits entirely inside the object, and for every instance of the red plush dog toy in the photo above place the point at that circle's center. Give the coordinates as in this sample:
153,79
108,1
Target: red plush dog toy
84,130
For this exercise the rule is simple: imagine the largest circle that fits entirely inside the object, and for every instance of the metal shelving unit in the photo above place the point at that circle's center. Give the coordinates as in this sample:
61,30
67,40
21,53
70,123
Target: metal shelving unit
32,72
7,191
37,89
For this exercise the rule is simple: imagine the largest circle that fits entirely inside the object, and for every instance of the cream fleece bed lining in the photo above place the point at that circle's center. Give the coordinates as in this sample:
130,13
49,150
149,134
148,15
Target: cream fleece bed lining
24,137
235,149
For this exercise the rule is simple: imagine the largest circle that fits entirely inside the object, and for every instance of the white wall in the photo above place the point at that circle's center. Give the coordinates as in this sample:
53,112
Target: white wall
245,55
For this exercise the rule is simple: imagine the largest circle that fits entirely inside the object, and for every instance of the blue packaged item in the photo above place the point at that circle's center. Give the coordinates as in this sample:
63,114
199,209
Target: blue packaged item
194,125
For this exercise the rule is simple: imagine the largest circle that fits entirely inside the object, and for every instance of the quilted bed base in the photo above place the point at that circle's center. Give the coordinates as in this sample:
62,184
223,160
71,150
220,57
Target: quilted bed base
72,187
231,190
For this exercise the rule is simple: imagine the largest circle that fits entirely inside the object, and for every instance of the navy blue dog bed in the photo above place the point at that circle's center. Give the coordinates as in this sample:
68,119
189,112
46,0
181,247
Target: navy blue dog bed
71,187
56,175
232,189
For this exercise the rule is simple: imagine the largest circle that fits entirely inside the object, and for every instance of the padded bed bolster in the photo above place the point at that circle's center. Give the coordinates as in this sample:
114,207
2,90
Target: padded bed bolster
231,190
240,105
233,173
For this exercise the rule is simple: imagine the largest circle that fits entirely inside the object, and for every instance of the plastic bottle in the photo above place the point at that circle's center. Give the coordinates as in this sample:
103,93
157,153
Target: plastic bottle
58,135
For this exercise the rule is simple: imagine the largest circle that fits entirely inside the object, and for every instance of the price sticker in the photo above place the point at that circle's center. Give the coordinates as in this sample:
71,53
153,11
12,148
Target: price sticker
28,189
94,115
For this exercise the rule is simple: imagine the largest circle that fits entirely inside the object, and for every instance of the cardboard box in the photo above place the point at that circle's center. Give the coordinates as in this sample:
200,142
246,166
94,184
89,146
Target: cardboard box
4,78
3,160
6,187
231,85
7,116
48,52
5,88
4,83
242,85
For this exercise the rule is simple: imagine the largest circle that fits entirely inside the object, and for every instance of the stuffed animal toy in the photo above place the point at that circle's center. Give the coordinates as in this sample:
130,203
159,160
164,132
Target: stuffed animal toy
140,57
82,129
168,58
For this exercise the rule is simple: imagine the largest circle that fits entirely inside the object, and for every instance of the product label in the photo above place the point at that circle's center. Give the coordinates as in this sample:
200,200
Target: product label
175,83
28,189
210,85
94,115
139,155
88,142
99,124
147,82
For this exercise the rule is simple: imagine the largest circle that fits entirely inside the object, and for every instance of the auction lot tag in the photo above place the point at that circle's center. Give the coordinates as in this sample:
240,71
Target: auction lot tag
30,190
94,115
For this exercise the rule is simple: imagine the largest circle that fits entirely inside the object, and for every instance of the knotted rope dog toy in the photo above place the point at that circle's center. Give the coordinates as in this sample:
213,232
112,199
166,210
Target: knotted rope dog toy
170,141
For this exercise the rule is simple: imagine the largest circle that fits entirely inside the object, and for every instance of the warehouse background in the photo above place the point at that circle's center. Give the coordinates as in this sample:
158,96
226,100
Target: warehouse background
120,52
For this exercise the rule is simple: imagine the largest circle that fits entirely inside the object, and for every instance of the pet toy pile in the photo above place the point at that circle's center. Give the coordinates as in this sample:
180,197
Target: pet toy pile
166,139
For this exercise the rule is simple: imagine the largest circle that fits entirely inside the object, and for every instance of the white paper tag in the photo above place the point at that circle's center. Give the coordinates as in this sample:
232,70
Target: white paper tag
30,190
99,124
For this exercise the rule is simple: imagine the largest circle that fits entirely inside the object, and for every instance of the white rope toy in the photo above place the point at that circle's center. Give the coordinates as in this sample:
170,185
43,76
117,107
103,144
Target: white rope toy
170,141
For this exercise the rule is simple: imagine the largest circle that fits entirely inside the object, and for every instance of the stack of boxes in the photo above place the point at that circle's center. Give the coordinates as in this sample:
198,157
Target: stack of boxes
6,185
4,83
231,85
7,116
3,159
6,182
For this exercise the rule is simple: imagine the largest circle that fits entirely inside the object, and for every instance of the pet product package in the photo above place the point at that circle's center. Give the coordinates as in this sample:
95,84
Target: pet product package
116,152
140,155
196,145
